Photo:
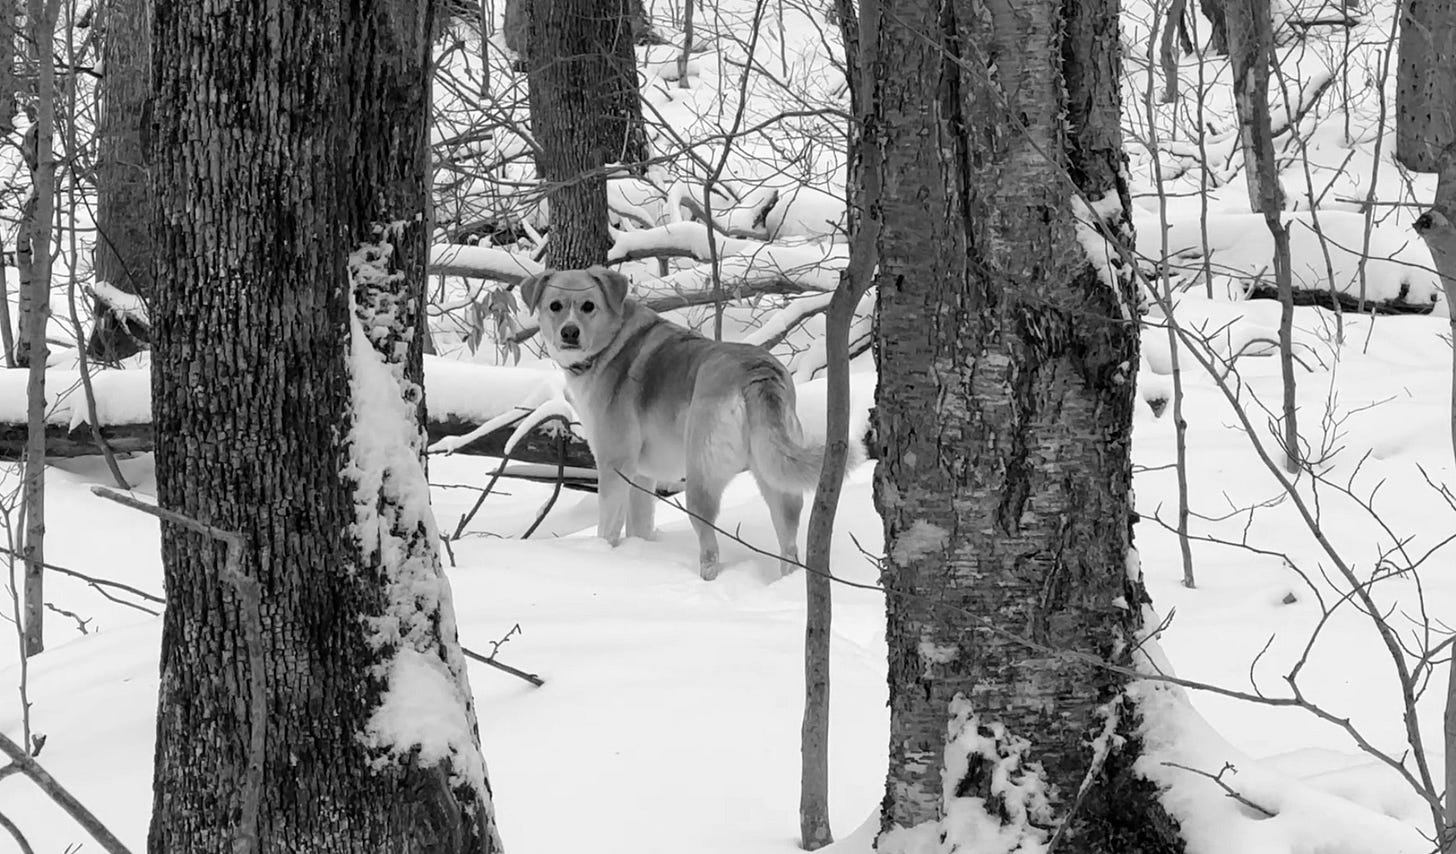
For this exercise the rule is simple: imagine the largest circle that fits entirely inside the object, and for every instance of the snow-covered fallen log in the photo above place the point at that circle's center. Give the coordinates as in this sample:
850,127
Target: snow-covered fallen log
1397,274
460,397
521,406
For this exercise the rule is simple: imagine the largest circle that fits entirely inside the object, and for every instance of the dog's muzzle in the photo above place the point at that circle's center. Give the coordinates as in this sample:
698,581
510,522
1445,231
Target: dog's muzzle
571,335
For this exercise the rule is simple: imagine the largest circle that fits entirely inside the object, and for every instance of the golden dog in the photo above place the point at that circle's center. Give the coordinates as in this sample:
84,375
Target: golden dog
661,403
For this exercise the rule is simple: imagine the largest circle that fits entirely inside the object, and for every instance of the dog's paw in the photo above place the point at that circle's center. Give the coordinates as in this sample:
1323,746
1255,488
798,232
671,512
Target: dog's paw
708,566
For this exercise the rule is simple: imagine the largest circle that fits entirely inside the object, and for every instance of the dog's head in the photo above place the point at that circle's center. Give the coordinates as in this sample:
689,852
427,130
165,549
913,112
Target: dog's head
579,311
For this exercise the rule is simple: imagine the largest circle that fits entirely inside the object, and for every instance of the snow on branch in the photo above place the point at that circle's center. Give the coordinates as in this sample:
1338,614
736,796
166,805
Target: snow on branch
122,305
776,328
481,262
677,240
781,269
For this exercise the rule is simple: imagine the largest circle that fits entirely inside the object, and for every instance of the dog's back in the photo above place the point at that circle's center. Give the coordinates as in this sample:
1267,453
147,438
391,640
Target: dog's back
718,408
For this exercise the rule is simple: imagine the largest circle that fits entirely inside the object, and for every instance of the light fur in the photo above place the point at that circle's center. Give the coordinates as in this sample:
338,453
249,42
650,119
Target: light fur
660,403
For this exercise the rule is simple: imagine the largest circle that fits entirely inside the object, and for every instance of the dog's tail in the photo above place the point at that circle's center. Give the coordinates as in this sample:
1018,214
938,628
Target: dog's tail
776,448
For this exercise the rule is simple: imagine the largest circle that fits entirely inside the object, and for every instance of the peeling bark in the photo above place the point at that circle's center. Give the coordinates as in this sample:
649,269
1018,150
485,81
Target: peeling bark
1004,414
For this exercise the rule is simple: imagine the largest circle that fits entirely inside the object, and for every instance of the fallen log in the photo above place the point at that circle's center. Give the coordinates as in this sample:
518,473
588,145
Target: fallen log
537,446
1341,301
460,398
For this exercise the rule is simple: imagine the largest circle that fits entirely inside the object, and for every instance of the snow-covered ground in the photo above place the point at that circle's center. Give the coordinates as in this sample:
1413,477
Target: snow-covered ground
670,716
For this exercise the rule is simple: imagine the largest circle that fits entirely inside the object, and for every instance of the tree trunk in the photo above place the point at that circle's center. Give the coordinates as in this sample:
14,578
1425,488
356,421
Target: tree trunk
1251,50
36,225
1175,35
9,81
1218,39
624,137
123,254
288,182
513,26
1251,45
1004,413
9,89
1425,87
575,52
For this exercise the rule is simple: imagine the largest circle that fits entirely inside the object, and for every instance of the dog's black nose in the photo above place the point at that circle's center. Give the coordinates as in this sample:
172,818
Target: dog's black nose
571,334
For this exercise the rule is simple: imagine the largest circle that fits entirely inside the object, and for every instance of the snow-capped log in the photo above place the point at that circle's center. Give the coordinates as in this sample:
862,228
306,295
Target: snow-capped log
460,397
539,447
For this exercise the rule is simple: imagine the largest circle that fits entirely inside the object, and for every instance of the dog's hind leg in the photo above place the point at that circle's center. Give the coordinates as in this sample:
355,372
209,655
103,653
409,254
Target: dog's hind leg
784,508
641,507
705,495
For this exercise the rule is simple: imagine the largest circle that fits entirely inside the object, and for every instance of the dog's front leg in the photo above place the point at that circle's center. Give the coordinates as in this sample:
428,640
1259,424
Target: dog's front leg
613,496
642,507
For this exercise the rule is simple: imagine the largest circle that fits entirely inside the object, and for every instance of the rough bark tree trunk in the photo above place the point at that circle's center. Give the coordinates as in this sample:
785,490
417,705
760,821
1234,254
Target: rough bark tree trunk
123,253
1425,84
288,182
581,68
1004,414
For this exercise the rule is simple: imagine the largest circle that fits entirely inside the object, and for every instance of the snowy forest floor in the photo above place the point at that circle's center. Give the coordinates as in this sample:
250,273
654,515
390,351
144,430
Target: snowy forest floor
670,716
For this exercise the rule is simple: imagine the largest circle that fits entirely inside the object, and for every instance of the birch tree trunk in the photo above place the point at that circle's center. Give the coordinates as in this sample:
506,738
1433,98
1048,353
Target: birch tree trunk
123,254
9,88
1004,414
289,187
1425,84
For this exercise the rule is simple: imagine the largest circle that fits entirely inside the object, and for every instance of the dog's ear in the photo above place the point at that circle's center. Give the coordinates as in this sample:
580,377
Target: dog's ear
531,288
614,286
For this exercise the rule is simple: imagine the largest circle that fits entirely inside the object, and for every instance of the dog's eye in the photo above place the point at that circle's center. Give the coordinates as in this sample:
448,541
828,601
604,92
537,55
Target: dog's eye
586,307
555,305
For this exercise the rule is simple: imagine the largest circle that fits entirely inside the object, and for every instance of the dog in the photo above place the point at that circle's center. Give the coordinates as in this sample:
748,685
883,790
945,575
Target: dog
660,403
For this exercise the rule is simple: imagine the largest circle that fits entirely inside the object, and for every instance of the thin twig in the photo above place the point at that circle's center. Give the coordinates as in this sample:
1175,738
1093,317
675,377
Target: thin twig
64,799
250,599
20,839
80,622
529,677
98,582
1232,793
556,491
